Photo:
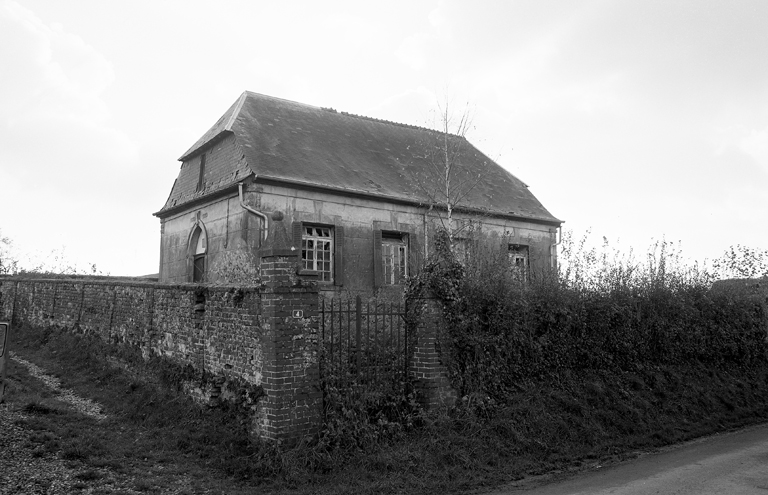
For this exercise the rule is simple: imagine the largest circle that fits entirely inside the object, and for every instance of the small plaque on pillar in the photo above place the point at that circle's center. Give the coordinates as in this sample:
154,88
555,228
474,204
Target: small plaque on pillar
298,313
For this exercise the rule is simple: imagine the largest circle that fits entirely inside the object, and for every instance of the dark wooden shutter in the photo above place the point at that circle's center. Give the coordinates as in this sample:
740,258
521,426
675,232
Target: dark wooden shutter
298,230
414,252
378,263
504,245
338,255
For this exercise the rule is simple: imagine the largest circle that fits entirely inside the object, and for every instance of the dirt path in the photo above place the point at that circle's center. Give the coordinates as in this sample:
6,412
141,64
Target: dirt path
28,469
79,404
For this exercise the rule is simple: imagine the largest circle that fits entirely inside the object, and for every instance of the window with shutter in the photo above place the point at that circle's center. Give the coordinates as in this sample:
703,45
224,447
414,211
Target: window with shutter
392,258
317,251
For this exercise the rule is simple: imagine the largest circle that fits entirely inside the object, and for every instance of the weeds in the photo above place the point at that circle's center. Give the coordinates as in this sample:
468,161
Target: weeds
601,311
613,354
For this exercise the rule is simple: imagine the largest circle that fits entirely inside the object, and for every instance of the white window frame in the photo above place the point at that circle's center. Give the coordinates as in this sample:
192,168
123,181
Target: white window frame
519,260
394,254
317,251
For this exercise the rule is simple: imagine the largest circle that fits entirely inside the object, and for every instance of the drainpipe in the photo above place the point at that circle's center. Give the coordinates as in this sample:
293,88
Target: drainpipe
257,213
553,247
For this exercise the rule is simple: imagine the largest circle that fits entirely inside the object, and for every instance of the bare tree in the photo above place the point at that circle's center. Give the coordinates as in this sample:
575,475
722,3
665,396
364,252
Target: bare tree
449,177
9,265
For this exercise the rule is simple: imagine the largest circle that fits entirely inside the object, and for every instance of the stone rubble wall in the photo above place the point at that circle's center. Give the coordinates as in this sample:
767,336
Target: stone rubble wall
265,336
247,333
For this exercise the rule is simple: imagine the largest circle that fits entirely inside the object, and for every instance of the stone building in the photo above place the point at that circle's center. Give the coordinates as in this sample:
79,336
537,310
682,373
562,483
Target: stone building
354,195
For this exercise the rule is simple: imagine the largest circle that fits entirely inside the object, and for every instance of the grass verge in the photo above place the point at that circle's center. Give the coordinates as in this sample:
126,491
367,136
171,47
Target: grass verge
157,436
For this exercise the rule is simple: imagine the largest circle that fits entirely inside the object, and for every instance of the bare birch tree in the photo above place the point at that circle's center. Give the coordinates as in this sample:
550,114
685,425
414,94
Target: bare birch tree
449,178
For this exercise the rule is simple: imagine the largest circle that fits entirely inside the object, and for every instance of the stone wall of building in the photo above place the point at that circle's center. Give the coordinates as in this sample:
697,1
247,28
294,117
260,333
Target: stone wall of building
354,222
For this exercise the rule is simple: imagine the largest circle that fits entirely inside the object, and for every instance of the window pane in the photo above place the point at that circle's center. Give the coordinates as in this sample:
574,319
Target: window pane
394,251
317,246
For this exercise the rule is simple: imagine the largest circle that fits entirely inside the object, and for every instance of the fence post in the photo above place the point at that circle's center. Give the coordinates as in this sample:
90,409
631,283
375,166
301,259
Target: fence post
292,408
358,325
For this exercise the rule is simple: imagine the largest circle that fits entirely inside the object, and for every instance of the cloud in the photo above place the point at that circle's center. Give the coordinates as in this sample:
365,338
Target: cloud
49,71
733,168
755,144
61,157
55,120
745,140
414,50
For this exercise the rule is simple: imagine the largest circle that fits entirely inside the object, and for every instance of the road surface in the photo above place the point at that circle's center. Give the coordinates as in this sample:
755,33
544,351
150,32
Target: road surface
734,463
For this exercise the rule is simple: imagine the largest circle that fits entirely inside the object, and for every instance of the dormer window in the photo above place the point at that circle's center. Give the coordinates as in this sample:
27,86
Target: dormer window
200,181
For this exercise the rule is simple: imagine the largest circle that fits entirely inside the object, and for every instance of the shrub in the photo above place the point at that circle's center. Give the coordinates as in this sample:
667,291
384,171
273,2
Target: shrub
239,268
368,395
600,310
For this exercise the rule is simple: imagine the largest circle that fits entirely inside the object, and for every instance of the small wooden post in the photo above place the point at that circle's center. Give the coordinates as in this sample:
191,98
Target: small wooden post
5,329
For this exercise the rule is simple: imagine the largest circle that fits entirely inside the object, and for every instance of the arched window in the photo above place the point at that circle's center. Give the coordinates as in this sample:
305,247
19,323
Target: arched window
198,245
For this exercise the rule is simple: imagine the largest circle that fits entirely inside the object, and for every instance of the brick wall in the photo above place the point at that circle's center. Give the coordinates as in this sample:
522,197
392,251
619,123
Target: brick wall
426,366
250,334
291,373
266,336
210,328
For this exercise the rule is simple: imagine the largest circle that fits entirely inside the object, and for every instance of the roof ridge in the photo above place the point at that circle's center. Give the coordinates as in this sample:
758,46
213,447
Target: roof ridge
236,111
253,93
391,122
348,114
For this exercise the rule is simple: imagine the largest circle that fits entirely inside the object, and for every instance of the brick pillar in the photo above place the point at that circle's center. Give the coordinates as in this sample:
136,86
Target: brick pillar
292,408
433,388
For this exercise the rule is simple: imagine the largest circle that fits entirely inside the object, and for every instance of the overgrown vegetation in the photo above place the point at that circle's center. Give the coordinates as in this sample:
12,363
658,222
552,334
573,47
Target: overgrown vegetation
609,356
56,262
742,262
369,399
9,262
601,311
149,395
238,268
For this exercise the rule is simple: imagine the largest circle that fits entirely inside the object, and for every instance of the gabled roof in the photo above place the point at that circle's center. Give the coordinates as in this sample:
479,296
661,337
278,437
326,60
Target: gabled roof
294,142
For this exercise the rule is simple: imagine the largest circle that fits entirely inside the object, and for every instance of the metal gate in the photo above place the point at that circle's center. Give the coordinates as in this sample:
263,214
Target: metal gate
363,343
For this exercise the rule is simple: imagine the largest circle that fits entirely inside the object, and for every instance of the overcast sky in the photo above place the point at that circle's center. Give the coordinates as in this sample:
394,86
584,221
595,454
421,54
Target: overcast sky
640,119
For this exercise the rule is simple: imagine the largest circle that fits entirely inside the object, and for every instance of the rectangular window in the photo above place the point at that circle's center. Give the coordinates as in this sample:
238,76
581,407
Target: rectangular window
518,260
317,251
394,253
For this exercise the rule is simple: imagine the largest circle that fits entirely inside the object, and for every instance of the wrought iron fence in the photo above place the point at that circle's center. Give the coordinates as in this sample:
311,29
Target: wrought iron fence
363,343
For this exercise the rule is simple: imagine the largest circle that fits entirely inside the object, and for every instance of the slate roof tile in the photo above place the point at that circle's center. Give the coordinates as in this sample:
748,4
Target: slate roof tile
290,141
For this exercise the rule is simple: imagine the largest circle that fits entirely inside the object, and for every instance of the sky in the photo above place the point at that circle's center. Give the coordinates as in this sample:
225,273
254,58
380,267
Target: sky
638,120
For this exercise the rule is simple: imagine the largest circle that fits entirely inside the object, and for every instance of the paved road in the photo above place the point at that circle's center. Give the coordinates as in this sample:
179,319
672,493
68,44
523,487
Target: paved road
733,463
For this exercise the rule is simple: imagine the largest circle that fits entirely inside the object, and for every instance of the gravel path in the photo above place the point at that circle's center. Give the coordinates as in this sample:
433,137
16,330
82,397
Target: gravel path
80,404
20,470
26,469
